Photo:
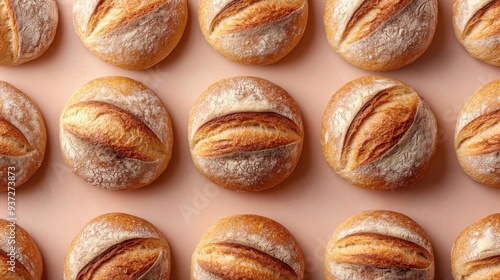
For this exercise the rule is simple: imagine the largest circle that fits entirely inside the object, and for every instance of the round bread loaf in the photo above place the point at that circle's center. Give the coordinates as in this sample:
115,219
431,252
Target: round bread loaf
27,29
118,246
378,133
116,133
247,247
476,251
379,245
23,137
253,32
245,134
477,27
19,255
477,135
380,35
130,34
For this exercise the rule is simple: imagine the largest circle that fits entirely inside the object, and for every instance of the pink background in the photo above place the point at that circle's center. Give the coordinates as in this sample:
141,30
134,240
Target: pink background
55,204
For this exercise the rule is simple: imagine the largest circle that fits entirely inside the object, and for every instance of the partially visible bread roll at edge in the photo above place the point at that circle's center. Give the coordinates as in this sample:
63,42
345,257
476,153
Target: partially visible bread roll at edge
477,135
130,34
23,137
380,35
379,244
477,28
27,29
476,251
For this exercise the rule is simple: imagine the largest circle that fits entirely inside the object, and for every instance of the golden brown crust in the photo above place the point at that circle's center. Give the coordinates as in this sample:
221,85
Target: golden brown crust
275,130
247,246
476,251
23,137
130,34
378,133
253,31
477,28
477,135
129,126
118,246
113,128
245,134
379,243
19,44
28,261
380,35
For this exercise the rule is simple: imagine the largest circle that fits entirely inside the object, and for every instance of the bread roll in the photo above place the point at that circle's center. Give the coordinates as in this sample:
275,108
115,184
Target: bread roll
253,32
19,255
380,35
378,133
477,135
477,27
116,133
130,34
247,247
245,134
379,245
476,251
27,29
23,137
118,246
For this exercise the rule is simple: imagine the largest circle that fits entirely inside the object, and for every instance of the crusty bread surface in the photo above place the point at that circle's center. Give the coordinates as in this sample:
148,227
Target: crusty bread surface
379,244
27,29
253,32
245,134
23,137
247,247
378,133
380,35
116,133
118,246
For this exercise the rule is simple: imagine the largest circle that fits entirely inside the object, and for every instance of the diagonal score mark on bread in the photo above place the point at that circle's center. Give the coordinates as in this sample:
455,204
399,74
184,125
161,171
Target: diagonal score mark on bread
487,268
369,16
481,136
107,125
364,249
485,22
109,15
21,272
391,112
13,142
247,14
9,36
140,254
213,258
244,132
